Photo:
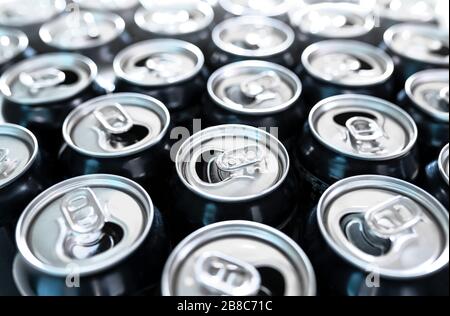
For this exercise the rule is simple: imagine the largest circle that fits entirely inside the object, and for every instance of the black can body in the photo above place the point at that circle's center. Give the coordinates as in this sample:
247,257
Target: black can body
337,277
319,167
435,184
141,270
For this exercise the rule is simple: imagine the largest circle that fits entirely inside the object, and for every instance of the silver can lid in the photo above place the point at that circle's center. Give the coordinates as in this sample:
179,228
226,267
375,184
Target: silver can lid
348,63
407,10
82,30
363,127
235,258
334,20
158,62
175,17
444,163
12,43
230,163
107,5
253,36
385,225
429,91
269,8
47,78
85,224
23,12
18,151
116,125
254,87
423,43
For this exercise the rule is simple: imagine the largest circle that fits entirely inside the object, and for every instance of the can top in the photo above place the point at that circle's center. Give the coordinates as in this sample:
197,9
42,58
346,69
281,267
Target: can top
348,63
253,36
407,10
107,5
19,13
423,43
269,8
82,30
385,225
444,163
47,78
254,87
159,62
116,125
363,127
12,43
18,151
334,20
232,163
429,91
85,224
180,17
238,258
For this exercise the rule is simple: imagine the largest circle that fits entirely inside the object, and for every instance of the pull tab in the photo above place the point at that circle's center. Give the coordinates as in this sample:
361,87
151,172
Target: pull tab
260,87
241,158
42,79
444,95
393,217
257,39
225,275
7,166
92,29
364,134
164,65
114,118
82,212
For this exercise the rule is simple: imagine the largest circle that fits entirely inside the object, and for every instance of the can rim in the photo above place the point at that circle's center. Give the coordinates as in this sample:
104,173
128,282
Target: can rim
161,44
376,102
238,51
24,135
349,8
388,39
34,207
424,198
204,7
13,72
85,108
388,14
416,78
240,10
91,5
231,68
47,38
443,156
59,6
243,228
212,129
22,44
350,45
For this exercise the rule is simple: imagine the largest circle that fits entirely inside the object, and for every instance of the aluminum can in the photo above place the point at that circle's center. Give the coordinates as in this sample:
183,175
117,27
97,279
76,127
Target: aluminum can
436,178
350,135
13,48
255,93
335,67
253,38
238,258
39,93
97,235
379,236
426,99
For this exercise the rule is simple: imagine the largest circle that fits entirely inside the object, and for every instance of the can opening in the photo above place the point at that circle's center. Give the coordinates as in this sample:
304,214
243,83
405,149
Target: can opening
343,118
272,282
131,137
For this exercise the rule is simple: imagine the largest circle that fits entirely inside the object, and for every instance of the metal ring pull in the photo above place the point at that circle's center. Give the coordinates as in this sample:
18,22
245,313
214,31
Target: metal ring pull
261,87
42,79
7,165
113,118
364,134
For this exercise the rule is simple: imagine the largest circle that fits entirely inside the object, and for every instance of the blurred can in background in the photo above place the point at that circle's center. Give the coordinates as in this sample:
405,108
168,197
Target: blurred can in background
29,16
336,67
39,92
426,99
436,177
351,135
256,259
252,38
97,235
169,70
13,47
258,94
379,236
415,48
190,21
